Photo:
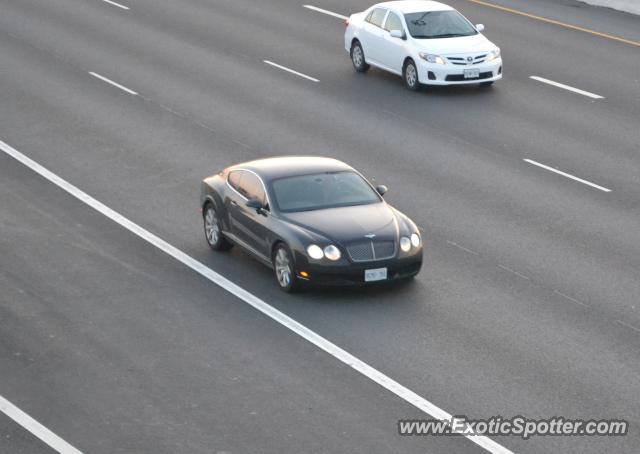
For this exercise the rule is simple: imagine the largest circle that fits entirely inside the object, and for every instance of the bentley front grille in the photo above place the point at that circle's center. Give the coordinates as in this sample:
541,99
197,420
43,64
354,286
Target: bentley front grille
368,250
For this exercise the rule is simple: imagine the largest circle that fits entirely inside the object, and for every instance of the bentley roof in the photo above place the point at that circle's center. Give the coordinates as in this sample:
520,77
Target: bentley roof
285,166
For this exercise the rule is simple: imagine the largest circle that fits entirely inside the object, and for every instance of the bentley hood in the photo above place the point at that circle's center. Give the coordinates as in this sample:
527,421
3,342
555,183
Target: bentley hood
459,45
346,224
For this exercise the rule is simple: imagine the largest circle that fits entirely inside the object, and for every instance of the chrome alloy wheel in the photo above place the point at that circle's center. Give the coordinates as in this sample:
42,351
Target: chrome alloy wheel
211,227
283,268
411,76
357,56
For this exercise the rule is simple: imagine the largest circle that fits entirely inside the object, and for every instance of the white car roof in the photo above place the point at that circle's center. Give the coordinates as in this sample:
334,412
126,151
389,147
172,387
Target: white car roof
414,6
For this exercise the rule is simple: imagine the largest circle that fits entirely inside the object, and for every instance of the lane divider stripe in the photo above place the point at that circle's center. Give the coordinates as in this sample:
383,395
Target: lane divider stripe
566,87
325,11
551,169
115,84
52,440
289,70
115,4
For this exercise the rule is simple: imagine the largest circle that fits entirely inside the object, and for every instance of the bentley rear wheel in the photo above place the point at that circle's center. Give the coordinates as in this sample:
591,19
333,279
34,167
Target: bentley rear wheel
212,230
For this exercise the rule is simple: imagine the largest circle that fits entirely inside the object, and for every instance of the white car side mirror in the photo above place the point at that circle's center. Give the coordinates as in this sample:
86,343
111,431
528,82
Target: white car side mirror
480,27
396,34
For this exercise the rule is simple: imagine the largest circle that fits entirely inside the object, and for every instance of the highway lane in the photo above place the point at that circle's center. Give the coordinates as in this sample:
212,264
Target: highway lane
557,141
119,348
581,140
585,144
476,199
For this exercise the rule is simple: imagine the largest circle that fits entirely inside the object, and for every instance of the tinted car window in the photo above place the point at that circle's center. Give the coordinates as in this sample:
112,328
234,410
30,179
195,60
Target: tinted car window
323,190
393,23
368,18
377,16
234,179
438,24
251,187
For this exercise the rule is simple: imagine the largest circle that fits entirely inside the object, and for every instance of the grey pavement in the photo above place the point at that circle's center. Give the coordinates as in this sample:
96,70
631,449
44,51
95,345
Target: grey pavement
148,357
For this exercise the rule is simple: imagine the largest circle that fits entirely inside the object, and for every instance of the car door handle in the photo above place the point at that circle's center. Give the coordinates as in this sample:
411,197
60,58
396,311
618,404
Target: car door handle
234,203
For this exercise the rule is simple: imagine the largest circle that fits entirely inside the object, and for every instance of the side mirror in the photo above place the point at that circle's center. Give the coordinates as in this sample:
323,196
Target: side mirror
255,204
480,27
396,34
382,189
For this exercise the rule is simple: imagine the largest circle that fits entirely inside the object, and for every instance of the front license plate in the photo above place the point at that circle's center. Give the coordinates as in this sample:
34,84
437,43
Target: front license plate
379,274
471,73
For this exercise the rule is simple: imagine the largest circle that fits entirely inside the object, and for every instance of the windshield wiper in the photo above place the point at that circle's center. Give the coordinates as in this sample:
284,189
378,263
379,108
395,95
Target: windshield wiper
448,35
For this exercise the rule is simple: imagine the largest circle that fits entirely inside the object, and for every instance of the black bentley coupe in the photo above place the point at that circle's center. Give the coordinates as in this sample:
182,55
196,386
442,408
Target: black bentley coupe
313,220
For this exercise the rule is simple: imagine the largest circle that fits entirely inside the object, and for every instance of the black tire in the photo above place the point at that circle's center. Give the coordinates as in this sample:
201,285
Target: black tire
486,84
284,269
213,229
357,57
410,75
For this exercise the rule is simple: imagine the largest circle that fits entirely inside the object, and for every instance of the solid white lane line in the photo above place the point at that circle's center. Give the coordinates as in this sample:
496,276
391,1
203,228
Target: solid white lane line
570,299
513,272
249,298
324,11
284,68
37,429
551,169
115,84
462,248
116,4
628,326
566,87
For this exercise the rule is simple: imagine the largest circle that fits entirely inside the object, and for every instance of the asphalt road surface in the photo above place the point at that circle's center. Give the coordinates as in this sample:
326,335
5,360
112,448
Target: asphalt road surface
528,299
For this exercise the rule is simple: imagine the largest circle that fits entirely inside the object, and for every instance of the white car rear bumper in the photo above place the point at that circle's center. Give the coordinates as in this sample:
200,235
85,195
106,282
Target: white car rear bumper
449,74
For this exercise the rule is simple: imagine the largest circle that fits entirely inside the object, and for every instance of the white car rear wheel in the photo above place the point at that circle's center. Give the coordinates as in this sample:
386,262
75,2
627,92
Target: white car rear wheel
357,57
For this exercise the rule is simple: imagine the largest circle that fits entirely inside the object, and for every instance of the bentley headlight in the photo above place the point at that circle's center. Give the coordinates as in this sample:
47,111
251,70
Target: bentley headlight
405,244
332,253
493,54
315,252
415,239
432,58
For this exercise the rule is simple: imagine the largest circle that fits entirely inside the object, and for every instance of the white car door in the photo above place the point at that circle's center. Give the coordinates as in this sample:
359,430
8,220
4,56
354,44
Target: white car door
392,50
371,35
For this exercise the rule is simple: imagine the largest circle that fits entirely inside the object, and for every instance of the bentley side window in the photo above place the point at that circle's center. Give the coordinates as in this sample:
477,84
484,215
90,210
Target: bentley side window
251,188
234,179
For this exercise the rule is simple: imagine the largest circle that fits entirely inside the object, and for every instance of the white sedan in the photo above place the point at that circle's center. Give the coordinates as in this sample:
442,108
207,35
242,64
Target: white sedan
425,42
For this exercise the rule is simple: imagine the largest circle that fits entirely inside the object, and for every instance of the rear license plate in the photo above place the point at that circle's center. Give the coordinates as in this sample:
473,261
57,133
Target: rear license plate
378,274
471,73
